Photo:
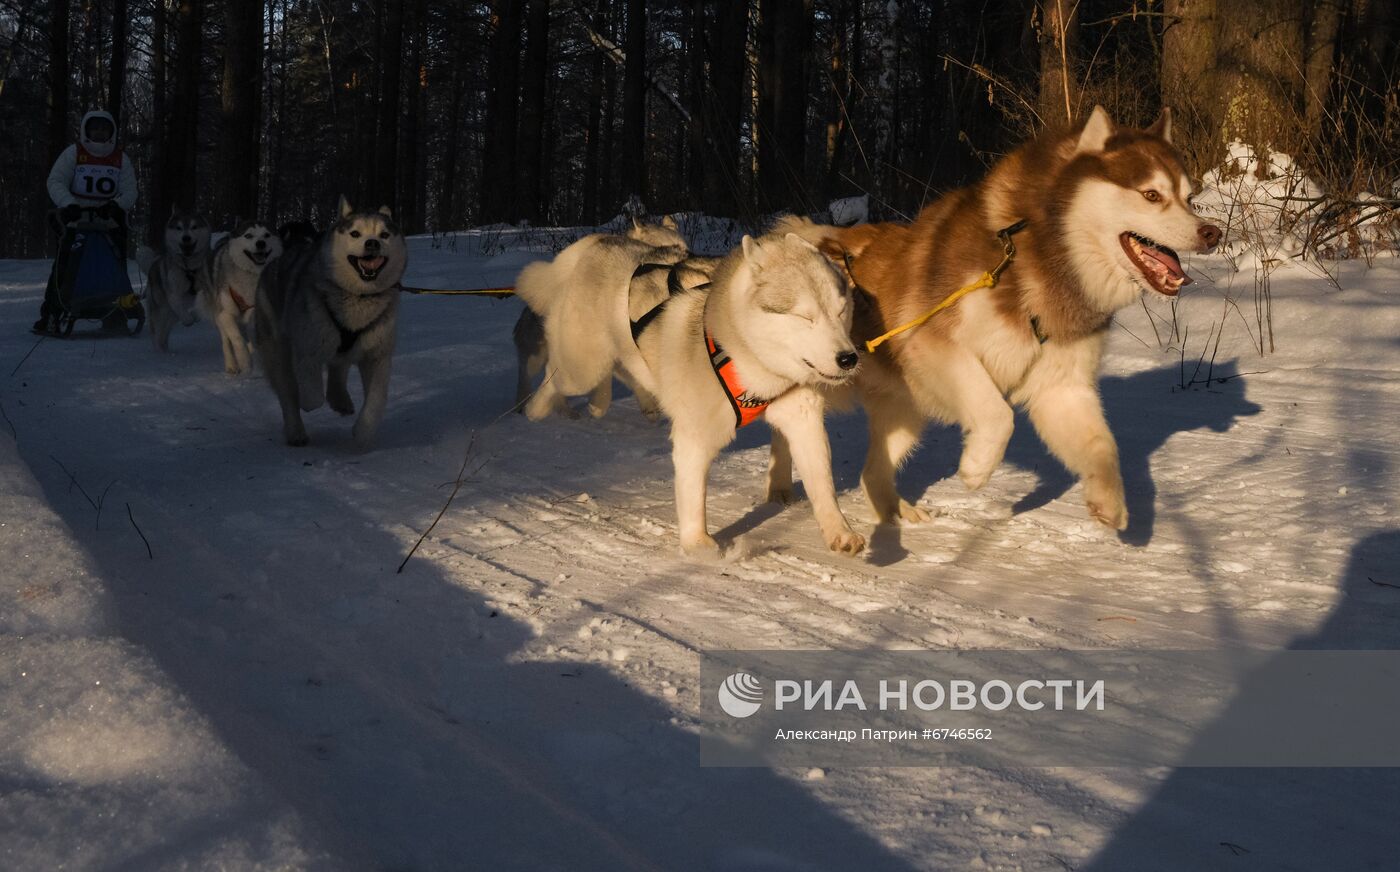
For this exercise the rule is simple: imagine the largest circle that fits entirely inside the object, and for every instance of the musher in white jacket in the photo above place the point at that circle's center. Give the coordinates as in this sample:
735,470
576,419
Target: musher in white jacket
95,174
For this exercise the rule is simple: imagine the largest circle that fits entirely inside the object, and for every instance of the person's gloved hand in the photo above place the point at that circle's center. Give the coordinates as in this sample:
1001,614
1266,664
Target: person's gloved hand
109,212
70,213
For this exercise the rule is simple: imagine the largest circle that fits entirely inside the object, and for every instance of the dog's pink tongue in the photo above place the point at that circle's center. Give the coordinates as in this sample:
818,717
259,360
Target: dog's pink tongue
1167,260
371,262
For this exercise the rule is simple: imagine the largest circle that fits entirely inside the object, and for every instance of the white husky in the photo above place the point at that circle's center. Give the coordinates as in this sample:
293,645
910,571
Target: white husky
584,297
771,331
229,288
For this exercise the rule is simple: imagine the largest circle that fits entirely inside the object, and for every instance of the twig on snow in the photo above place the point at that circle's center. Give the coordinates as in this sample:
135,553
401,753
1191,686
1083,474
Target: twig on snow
13,433
97,525
73,481
146,541
461,476
26,357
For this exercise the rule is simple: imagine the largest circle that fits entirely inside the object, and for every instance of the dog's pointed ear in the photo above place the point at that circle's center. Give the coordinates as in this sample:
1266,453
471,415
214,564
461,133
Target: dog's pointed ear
798,240
344,207
669,223
1096,131
1163,125
753,252
386,211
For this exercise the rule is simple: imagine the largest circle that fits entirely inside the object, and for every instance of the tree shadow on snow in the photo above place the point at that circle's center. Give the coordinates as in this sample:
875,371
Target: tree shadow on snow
1283,818
1144,410
396,714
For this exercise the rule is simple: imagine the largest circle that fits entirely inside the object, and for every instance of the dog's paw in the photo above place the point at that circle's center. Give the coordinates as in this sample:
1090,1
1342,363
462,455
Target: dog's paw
908,513
342,405
702,546
1106,504
781,494
233,369
363,434
296,438
1113,516
846,541
974,475
597,411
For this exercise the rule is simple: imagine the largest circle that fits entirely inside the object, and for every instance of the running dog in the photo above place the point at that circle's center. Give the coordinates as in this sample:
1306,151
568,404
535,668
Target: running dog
229,288
329,306
172,279
584,298
1029,265
769,333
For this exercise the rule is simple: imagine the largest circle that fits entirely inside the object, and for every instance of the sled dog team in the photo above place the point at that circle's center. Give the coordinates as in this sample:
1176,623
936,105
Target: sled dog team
997,295
312,311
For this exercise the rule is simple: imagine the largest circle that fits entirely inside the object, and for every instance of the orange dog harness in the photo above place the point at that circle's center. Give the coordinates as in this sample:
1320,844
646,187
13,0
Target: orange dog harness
747,408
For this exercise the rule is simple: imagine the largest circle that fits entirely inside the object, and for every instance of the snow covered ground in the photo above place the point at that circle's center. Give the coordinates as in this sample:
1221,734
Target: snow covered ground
265,691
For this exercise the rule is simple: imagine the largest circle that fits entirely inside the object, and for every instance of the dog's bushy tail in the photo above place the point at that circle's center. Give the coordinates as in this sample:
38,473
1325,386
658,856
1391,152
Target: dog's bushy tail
803,227
536,286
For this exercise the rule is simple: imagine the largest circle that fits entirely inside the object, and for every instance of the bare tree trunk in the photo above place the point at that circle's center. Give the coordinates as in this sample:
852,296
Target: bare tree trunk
634,103
59,134
116,84
182,161
609,136
883,94
1323,28
1260,75
240,98
784,37
1059,51
724,122
159,190
383,175
697,157
448,211
412,179
591,180
1188,77
498,165
532,109
838,88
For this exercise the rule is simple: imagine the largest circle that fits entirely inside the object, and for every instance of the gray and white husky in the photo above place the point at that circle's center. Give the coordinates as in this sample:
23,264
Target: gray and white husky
768,336
229,288
172,279
326,307
585,299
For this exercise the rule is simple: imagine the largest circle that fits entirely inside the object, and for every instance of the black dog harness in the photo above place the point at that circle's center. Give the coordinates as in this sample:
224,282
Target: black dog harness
673,286
349,337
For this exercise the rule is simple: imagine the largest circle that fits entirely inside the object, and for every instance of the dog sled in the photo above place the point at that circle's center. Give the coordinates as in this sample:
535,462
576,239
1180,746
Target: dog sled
89,281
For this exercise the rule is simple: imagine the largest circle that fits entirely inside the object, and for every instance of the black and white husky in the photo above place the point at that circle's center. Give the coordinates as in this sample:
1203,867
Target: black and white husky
172,277
325,307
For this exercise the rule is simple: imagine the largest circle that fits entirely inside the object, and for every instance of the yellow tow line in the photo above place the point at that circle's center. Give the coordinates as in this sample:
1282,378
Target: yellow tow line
988,280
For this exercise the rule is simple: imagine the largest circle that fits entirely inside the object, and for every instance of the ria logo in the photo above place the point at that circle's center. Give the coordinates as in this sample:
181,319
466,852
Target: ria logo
741,695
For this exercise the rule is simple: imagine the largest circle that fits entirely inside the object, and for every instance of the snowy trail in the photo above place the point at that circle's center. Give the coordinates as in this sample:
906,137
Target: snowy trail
522,696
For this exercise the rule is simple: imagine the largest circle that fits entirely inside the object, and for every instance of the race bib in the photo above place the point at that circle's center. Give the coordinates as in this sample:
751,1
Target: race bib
94,181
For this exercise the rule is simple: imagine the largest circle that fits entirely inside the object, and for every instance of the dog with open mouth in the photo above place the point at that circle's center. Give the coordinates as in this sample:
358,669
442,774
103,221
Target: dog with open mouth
1077,225
326,307
229,288
172,276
